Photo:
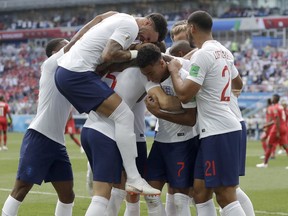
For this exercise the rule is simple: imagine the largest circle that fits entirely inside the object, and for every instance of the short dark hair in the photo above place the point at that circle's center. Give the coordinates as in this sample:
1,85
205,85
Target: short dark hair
148,54
202,20
181,45
276,97
52,45
160,24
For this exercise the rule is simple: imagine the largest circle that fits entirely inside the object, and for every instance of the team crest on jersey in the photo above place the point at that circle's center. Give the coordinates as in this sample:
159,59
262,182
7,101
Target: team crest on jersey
127,37
168,90
194,70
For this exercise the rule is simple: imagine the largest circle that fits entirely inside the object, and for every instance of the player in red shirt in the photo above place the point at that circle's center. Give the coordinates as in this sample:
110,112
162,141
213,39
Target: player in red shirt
71,130
278,133
267,126
4,112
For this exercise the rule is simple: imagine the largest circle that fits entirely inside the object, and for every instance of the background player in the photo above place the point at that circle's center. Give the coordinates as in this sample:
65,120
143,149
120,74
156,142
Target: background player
4,122
71,130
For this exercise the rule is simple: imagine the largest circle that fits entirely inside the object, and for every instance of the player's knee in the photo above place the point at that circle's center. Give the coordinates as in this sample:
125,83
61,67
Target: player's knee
122,114
20,191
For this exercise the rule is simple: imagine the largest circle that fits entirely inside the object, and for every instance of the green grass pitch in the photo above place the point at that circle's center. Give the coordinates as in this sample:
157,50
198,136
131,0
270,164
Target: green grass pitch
267,188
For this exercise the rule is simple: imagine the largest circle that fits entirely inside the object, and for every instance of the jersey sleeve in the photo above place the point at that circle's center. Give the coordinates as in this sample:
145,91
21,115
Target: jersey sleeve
234,72
126,33
199,67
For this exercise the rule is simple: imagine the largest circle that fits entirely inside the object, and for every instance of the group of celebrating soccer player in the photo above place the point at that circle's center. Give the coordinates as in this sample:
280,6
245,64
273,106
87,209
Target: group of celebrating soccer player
199,147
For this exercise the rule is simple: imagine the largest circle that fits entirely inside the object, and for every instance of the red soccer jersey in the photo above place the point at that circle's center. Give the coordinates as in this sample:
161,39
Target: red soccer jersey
4,109
279,112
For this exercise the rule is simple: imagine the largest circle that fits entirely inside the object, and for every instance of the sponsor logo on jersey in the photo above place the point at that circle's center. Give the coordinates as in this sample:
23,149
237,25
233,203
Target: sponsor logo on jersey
194,70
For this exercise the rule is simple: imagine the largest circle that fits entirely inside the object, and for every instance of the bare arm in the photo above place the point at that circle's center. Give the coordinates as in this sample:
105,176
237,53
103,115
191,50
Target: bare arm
86,27
185,89
237,83
10,118
113,52
187,117
166,102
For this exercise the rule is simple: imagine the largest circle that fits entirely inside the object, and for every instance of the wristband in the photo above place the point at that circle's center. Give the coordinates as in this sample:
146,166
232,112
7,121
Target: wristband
133,54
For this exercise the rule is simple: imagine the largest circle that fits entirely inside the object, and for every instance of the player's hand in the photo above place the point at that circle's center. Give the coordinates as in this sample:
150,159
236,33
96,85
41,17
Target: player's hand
152,104
174,66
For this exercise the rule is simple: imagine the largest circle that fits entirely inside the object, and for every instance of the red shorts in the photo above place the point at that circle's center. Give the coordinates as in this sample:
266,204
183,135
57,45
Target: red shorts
3,125
70,127
283,139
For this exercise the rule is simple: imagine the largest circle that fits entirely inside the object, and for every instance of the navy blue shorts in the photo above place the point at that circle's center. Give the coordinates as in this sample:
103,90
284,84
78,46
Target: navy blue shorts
103,155
43,159
242,152
173,162
218,160
141,160
84,90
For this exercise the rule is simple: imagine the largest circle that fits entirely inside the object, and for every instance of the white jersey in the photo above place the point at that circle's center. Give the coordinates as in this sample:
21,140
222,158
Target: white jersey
169,132
139,121
235,107
53,108
130,85
212,68
85,55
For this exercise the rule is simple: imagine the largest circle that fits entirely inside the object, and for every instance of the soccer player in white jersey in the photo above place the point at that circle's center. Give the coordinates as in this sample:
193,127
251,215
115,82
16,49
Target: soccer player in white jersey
173,154
130,85
43,155
75,78
211,76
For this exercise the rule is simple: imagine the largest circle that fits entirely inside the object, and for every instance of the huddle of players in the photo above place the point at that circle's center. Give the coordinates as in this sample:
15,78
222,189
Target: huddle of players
187,139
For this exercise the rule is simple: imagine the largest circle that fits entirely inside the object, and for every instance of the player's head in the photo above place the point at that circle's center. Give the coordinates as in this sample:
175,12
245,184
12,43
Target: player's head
180,48
1,98
153,28
55,45
275,98
269,101
199,22
151,63
179,31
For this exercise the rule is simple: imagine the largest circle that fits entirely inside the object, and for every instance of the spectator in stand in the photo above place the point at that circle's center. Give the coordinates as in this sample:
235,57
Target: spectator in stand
4,123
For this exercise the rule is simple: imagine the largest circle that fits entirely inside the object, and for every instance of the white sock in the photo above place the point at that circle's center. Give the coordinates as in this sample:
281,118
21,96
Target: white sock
132,209
10,207
181,202
97,206
63,209
233,209
206,209
245,202
115,201
170,206
125,138
155,206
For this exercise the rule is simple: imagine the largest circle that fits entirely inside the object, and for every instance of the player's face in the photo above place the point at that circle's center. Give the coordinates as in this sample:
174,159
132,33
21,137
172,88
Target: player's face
155,72
147,34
